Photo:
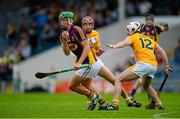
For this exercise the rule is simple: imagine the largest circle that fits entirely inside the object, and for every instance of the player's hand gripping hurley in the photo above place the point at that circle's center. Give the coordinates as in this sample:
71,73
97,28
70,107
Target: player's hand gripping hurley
41,75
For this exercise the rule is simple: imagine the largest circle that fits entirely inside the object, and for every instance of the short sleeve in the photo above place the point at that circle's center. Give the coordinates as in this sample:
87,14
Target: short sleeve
131,38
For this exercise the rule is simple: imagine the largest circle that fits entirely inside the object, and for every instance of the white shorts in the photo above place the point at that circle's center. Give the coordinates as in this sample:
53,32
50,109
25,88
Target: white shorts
144,69
92,71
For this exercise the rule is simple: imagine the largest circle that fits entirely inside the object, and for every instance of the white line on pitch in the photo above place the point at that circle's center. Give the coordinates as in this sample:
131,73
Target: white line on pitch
160,114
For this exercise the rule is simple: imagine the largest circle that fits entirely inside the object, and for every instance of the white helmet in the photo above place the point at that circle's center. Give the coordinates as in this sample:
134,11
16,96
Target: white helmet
133,27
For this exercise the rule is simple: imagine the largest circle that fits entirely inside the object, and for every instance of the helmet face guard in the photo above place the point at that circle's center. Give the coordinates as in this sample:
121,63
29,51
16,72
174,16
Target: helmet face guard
87,24
133,27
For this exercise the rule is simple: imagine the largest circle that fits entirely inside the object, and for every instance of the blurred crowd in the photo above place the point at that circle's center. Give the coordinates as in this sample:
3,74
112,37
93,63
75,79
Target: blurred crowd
157,7
37,28
38,23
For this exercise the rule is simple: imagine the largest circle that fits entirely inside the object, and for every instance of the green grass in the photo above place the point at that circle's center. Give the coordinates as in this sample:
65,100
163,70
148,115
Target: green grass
74,106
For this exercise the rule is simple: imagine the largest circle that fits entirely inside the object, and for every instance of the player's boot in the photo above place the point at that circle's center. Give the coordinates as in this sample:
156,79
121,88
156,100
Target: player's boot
110,107
151,105
94,102
103,107
160,107
134,104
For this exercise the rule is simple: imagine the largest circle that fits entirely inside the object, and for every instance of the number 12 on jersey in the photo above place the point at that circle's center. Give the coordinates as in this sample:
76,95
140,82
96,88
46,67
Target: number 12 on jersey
146,43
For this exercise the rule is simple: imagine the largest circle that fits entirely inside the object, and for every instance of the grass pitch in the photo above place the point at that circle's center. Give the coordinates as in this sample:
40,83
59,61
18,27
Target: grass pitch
37,105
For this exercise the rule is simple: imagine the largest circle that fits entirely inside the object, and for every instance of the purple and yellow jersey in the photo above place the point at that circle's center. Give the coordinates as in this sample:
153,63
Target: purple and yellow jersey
153,32
76,36
94,40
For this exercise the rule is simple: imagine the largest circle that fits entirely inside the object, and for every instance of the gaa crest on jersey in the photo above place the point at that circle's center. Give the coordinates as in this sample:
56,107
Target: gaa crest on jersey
73,47
92,40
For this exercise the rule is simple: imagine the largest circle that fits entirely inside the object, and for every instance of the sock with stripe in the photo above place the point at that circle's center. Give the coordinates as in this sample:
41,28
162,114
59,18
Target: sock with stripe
115,102
102,102
92,95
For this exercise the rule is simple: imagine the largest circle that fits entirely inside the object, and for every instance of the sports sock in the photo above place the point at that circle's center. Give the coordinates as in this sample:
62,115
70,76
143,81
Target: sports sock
92,95
115,101
102,102
133,91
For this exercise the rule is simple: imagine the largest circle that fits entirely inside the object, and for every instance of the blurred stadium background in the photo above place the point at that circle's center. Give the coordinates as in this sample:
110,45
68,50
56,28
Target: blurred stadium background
29,40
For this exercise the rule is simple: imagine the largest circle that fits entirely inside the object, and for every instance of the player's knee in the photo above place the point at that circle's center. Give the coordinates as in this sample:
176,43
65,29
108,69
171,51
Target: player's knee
146,86
146,82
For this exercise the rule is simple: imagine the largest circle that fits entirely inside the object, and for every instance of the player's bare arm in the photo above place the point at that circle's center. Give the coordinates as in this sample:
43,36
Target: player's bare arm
160,51
164,27
63,38
121,44
84,54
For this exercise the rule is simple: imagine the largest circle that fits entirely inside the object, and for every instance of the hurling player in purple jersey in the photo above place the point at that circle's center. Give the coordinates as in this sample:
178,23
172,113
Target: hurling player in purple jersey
74,40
